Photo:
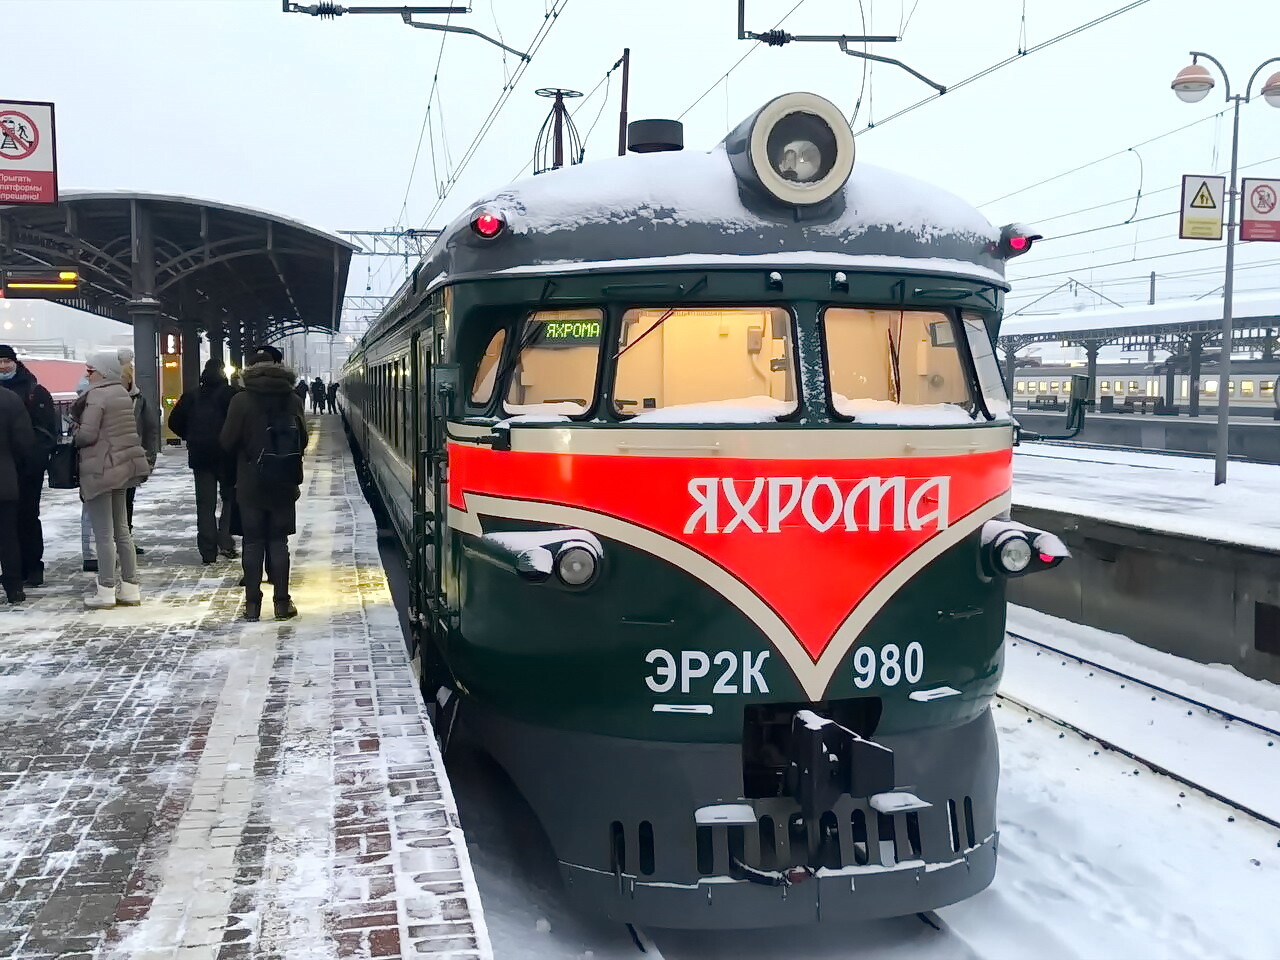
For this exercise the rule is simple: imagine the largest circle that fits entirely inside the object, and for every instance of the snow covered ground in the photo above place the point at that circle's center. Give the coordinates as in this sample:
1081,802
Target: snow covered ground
1099,858
1152,490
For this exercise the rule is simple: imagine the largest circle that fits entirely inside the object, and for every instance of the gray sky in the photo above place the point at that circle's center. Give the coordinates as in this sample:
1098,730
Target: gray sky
236,101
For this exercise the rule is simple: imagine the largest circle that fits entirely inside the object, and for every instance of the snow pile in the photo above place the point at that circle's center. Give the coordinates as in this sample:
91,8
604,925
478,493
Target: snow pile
868,410
757,409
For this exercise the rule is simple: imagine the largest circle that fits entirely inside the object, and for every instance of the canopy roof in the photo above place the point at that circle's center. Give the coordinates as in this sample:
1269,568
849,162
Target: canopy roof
200,259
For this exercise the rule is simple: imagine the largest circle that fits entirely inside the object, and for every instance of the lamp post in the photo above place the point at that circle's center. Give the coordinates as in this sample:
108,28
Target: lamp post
1192,84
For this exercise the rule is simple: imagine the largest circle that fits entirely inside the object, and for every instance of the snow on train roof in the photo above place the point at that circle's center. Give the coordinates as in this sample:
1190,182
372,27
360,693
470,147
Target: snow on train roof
687,187
1245,309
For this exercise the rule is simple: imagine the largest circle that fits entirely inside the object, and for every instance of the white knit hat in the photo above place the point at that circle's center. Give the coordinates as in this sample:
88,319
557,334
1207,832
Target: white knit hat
106,363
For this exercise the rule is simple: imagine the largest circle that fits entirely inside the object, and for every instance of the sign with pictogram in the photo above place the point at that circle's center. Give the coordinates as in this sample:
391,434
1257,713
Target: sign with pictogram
28,155
1260,209
1202,207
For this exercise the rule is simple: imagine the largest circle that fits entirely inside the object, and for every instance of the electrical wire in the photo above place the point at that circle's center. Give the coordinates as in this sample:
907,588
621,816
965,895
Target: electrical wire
1008,60
602,82
753,49
426,119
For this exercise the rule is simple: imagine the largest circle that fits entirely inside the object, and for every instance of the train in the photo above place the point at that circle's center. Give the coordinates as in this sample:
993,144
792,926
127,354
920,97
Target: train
701,462
1251,386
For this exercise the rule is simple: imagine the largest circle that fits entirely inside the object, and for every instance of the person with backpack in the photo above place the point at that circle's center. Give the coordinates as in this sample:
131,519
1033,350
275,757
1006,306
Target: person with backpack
266,431
16,443
15,376
197,418
332,396
111,461
301,389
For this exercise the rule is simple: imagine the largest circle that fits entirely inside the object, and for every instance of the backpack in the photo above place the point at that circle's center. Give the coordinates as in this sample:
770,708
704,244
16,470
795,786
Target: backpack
206,421
280,462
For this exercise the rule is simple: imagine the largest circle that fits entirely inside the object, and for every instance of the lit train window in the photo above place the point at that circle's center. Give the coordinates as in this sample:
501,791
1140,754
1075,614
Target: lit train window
555,372
1135,387
1209,385
487,370
984,362
880,359
1020,387
1066,386
1044,386
1231,387
708,364
1053,386
1105,386
1118,386
1246,388
1182,388
1268,387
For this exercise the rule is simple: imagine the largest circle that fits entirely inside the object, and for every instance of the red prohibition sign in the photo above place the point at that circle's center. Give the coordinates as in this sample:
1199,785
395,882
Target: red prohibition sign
1263,198
19,136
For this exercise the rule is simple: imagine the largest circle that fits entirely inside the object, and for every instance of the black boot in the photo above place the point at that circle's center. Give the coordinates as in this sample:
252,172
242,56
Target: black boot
285,610
35,578
253,608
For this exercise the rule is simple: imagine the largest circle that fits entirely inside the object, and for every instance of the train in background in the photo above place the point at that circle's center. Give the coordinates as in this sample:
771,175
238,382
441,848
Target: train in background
702,465
1126,387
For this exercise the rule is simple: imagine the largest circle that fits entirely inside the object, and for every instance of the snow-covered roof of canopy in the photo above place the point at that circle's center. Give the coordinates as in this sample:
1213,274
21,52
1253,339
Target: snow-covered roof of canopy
1260,309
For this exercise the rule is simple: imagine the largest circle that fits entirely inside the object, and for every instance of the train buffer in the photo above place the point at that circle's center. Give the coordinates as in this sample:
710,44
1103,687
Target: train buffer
176,782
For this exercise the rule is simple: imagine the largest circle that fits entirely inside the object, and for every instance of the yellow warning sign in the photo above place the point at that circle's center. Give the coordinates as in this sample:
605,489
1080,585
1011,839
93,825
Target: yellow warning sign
1203,200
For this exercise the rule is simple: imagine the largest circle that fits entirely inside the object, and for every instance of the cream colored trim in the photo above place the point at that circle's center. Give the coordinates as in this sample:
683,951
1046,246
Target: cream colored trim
753,443
813,677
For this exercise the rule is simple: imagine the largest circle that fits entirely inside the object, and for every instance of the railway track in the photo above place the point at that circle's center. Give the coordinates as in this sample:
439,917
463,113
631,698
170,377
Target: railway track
1110,745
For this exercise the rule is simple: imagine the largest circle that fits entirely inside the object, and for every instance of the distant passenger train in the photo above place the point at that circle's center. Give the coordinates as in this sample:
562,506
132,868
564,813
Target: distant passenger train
1251,386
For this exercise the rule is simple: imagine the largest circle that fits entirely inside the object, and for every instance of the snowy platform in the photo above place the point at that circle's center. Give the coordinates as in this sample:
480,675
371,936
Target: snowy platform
177,783
1152,491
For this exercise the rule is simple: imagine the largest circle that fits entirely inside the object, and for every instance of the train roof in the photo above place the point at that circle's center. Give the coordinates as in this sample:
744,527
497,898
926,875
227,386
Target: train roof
685,209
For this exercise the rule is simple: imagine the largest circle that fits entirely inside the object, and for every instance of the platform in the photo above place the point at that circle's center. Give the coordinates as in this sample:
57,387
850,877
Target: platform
178,783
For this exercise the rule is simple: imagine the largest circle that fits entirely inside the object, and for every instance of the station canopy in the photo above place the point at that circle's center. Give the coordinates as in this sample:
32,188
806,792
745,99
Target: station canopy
209,262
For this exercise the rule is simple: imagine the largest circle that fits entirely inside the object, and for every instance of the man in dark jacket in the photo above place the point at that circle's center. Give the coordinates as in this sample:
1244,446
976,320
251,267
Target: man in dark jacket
44,421
17,443
197,418
333,397
268,508
317,395
301,390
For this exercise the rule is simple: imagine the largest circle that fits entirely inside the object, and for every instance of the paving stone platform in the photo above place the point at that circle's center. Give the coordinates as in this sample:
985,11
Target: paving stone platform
177,783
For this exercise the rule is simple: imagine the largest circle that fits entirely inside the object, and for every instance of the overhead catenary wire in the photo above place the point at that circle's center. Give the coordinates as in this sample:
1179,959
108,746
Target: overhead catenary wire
426,119
987,71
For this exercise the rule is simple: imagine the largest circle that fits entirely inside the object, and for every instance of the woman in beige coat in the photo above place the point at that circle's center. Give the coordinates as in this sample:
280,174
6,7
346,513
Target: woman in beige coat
111,461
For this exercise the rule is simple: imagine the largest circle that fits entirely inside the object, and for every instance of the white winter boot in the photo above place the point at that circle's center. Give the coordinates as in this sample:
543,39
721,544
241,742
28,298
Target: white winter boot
100,597
128,594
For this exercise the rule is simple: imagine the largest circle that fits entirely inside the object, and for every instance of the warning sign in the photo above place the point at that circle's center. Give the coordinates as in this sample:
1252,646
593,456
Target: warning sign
1202,207
28,160
1260,209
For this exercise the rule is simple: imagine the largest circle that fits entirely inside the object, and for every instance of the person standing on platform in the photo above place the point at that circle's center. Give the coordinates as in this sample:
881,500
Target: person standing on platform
333,397
17,443
15,376
148,425
197,418
266,431
111,461
301,390
317,395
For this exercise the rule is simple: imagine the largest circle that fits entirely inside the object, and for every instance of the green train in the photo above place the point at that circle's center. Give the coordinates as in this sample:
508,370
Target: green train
702,464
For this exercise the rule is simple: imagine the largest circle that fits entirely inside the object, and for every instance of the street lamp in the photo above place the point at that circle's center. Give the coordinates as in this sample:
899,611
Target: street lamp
1192,84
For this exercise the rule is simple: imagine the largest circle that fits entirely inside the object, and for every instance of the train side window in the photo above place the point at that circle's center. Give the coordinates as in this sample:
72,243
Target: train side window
1231,388
1246,388
487,370
881,360
1044,386
1118,386
1104,386
1135,387
1209,385
705,364
1020,387
1053,386
555,370
1268,388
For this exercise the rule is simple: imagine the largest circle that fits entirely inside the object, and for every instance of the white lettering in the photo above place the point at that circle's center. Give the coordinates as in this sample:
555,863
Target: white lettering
876,489
730,663
777,511
940,489
742,511
688,671
706,505
751,671
806,503
664,674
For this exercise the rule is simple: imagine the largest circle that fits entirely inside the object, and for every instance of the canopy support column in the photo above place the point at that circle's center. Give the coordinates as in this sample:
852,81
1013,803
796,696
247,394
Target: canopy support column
190,354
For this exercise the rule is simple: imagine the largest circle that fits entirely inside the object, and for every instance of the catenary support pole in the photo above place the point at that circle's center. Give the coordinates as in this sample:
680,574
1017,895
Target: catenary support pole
1224,362
622,112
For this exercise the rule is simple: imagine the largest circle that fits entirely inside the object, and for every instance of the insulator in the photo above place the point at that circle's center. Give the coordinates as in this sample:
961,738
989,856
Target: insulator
327,10
774,38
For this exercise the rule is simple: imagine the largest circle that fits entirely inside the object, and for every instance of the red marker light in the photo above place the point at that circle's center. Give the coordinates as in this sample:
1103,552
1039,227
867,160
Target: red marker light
1047,558
488,225
1019,244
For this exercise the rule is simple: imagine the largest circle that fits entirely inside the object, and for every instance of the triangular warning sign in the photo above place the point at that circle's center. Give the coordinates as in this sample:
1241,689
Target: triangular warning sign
1203,200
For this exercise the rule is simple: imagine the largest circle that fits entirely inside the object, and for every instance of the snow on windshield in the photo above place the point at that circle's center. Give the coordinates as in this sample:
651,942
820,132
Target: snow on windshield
867,410
758,409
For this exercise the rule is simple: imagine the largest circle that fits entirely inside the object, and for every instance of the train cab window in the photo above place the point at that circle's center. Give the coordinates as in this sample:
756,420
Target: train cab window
487,370
705,364
1246,388
880,361
990,379
555,370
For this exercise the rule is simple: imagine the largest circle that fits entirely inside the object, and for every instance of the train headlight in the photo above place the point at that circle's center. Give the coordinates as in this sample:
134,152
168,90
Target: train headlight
576,564
1014,554
797,149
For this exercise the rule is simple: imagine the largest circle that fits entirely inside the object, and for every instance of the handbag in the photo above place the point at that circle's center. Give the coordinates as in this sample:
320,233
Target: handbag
64,467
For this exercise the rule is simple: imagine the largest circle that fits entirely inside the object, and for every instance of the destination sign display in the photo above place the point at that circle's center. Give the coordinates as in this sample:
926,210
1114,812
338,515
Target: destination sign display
571,332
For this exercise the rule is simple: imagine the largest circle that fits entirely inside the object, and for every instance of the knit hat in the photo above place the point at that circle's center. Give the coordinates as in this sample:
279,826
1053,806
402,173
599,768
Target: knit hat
6,352
262,356
125,354
106,363
276,355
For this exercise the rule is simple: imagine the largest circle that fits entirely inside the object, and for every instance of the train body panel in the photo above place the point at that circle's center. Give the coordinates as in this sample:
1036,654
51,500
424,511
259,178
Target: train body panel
1251,386
704,500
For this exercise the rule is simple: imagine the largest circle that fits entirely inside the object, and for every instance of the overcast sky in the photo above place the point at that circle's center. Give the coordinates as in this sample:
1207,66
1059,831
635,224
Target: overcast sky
319,120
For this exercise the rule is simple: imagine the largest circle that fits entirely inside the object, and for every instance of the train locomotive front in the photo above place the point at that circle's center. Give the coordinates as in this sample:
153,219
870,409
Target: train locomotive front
705,476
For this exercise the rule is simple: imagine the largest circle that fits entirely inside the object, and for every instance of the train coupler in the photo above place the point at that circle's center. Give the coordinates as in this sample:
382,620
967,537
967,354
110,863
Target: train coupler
826,760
